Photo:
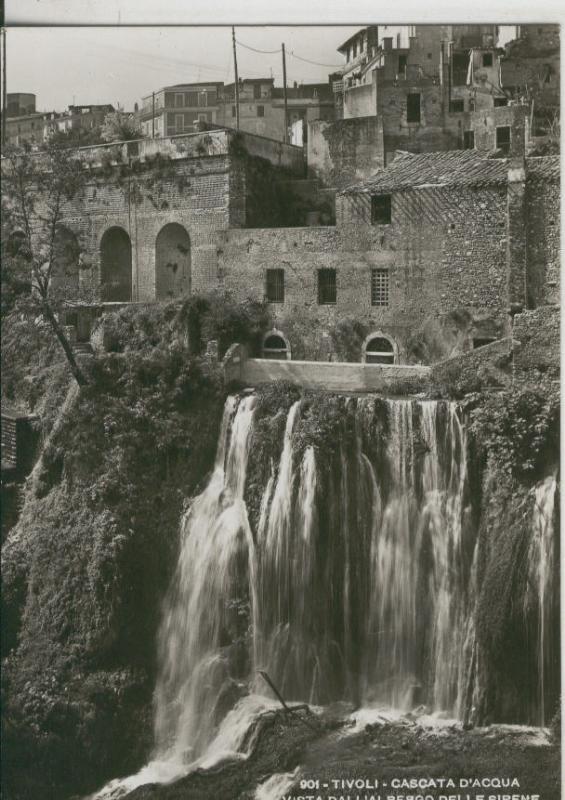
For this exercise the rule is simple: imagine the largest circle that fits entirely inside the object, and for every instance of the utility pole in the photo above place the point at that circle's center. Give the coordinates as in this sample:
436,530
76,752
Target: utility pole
153,117
4,95
285,97
236,80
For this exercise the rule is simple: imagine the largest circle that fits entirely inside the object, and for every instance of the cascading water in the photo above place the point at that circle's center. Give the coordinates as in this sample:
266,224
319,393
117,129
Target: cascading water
357,579
541,586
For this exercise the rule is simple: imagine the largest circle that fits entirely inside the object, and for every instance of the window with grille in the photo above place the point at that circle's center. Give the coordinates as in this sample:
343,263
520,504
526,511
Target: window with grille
381,209
275,285
379,287
327,290
379,351
274,347
260,111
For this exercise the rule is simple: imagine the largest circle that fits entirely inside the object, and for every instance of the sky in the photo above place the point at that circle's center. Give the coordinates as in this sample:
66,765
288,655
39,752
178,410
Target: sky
73,65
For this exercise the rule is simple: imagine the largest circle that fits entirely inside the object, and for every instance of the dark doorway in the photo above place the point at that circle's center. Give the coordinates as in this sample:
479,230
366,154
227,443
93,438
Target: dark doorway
115,256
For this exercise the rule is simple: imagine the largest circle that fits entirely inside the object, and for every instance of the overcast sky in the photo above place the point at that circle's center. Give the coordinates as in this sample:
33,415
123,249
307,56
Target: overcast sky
120,65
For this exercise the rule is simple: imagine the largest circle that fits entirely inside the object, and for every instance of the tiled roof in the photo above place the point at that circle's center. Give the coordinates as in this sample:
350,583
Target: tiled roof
451,168
545,168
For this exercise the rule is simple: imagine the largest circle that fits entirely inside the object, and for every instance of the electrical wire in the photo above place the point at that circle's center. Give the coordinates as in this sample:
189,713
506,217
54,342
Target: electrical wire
255,50
316,63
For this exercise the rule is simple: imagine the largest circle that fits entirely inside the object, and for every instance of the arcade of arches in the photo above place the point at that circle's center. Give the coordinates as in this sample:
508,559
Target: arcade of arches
172,264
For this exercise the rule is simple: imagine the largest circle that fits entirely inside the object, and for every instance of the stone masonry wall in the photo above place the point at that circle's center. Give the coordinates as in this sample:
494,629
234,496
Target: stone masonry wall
201,182
543,241
445,250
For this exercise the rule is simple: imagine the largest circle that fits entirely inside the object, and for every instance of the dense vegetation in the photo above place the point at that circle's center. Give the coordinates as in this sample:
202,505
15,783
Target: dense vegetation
91,556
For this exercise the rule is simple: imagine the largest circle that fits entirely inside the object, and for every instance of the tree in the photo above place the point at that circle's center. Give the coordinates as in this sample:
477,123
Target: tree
40,258
120,127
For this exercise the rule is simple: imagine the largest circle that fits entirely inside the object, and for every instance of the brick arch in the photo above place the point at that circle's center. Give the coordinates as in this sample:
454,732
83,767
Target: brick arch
116,265
276,345
172,261
379,348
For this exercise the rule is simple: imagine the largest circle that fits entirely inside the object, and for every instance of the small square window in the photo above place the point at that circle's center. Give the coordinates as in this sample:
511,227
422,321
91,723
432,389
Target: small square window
275,286
327,290
381,209
468,140
379,287
457,106
260,111
487,60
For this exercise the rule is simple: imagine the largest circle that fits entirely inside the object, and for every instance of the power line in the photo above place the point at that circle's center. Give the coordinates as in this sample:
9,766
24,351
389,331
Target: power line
255,50
316,63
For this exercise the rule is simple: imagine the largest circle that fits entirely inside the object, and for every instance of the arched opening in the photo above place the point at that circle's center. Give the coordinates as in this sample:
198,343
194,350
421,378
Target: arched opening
379,349
172,262
276,346
115,257
64,271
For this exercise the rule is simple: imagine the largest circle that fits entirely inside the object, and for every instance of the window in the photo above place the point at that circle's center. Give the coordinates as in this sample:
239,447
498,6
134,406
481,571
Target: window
327,293
192,98
256,91
379,350
354,49
402,63
179,123
503,139
500,101
471,105
381,209
275,347
202,99
413,108
260,111
379,287
459,66
468,140
487,60
233,111
179,100
457,106
275,285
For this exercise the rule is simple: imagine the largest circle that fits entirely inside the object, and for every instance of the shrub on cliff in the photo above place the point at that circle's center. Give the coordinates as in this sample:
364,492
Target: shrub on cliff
519,430
90,558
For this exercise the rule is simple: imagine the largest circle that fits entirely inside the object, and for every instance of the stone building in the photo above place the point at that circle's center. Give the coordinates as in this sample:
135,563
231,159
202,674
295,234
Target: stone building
429,257
530,68
426,89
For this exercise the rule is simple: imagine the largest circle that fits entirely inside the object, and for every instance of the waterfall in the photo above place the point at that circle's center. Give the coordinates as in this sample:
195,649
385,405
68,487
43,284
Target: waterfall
198,665
357,580
541,586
